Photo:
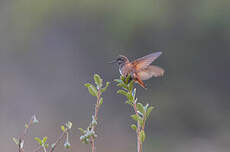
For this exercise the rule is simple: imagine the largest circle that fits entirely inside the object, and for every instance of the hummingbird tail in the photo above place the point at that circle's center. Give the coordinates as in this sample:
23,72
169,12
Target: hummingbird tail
140,82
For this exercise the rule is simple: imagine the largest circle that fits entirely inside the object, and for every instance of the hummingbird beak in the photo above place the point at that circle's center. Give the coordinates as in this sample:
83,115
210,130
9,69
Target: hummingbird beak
111,62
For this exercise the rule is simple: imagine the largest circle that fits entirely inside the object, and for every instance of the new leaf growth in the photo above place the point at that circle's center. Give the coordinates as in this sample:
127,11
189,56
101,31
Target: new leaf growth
89,134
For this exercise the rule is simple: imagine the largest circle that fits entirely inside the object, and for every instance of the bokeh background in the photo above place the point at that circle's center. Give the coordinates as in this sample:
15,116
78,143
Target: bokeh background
50,48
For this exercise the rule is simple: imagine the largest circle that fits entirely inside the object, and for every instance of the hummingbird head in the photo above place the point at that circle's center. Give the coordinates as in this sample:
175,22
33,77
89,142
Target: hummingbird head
121,60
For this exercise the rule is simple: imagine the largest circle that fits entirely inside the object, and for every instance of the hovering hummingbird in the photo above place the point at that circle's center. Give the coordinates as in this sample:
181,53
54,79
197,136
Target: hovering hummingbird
139,69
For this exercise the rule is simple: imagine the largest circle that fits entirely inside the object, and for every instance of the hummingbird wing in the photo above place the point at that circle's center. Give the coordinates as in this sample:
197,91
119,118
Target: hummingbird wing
144,62
150,71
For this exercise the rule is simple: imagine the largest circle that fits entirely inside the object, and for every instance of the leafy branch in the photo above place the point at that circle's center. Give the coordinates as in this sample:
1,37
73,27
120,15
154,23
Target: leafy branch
142,112
43,141
89,134
20,141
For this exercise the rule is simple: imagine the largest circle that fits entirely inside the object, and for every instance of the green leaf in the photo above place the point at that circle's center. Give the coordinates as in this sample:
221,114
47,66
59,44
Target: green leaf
87,85
149,110
127,79
134,127
130,85
44,140
122,92
140,108
101,101
122,85
140,121
134,117
105,88
63,128
146,107
129,102
16,141
98,80
38,140
107,84
142,136
82,130
118,80
122,78
137,118
130,97
92,89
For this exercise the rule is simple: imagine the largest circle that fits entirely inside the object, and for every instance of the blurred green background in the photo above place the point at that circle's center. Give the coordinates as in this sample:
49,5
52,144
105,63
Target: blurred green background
50,48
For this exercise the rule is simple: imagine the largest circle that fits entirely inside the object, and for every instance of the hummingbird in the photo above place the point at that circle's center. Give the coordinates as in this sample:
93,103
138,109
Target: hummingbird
139,69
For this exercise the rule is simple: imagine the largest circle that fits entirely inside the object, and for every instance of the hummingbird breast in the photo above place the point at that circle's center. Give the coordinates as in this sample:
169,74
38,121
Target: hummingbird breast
126,69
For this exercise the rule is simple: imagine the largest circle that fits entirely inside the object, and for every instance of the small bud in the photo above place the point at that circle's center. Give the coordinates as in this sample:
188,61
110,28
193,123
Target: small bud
82,137
69,125
21,144
94,121
35,120
91,133
67,145
53,145
94,136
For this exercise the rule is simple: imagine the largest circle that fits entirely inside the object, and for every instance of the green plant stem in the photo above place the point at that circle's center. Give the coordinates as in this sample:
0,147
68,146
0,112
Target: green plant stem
93,148
139,143
141,112
44,148
139,127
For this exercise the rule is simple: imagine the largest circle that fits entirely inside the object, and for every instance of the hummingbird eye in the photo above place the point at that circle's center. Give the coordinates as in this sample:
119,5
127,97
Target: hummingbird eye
121,59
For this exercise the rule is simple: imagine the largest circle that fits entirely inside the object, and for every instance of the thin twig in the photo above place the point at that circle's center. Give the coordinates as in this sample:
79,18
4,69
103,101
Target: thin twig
95,116
37,149
92,144
22,138
58,141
